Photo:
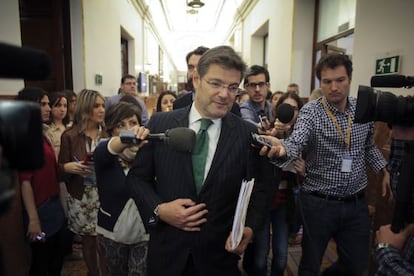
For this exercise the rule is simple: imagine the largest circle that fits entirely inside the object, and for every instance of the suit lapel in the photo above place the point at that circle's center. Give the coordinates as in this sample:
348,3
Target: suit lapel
225,144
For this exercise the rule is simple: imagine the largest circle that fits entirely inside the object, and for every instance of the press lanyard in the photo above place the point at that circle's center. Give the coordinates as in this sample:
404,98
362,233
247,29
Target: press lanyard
94,142
347,139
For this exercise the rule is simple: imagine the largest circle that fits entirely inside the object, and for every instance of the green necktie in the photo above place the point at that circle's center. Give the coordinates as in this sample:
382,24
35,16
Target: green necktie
200,151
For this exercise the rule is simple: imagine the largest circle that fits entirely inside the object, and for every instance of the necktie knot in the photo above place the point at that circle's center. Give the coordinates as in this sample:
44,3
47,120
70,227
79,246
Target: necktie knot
205,123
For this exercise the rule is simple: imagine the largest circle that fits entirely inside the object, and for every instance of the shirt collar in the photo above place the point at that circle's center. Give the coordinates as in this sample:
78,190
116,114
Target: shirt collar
349,105
195,116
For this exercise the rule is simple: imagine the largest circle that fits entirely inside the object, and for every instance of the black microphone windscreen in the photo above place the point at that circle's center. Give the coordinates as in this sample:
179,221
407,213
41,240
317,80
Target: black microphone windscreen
181,138
23,63
389,81
285,113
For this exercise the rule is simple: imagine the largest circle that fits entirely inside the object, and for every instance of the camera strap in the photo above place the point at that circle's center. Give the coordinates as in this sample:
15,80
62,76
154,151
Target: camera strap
347,138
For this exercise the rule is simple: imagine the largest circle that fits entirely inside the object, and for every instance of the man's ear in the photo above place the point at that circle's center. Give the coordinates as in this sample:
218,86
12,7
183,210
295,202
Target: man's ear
196,79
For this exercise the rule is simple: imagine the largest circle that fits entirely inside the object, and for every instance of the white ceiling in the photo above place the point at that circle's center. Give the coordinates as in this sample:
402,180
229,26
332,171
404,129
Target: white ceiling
183,29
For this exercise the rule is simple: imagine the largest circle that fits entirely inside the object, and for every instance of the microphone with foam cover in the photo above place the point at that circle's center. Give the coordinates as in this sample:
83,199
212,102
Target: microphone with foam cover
285,113
392,81
179,138
23,63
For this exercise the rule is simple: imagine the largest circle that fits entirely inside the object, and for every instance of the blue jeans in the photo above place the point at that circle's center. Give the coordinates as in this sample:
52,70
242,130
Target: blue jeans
346,222
280,233
261,245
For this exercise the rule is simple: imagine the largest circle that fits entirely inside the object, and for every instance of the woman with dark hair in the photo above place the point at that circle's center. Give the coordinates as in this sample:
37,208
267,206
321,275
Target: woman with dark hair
125,253
58,120
282,213
72,97
165,101
43,216
284,130
274,99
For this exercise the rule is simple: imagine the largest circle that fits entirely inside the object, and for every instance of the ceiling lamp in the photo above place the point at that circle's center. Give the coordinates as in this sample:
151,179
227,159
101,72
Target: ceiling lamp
195,4
192,11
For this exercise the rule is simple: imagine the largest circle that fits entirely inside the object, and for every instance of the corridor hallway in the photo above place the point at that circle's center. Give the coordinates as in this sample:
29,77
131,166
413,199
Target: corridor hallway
78,267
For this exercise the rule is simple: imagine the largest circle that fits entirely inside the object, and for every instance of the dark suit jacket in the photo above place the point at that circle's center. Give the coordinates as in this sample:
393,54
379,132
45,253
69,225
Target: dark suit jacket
187,99
161,174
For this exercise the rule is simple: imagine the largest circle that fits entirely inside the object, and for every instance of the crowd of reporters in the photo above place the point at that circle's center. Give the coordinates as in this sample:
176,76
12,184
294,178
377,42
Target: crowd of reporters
318,152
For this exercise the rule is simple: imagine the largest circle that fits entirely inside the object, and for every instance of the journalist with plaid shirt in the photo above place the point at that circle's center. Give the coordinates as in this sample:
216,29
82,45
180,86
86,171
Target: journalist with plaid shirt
332,198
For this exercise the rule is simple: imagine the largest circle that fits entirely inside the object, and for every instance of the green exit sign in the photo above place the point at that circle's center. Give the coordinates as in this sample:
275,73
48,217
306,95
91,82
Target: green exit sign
388,65
98,79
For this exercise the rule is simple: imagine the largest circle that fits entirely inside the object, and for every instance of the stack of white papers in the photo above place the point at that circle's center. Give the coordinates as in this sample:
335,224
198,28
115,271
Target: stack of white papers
241,211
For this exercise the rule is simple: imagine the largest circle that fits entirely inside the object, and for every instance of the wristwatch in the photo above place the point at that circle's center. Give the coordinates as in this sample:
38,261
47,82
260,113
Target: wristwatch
153,220
382,245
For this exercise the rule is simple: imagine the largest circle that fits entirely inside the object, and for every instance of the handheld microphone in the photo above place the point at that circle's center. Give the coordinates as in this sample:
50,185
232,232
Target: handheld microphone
179,138
285,113
23,63
392,81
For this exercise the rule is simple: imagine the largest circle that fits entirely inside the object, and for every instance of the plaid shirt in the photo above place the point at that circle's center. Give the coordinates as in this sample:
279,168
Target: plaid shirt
393,166
317,137
393,263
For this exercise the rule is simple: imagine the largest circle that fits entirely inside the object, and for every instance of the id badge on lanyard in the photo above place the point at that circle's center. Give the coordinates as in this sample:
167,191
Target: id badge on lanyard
346,163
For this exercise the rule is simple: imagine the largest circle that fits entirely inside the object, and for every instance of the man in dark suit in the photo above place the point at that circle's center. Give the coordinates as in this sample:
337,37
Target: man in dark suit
192,59
128,87
189,231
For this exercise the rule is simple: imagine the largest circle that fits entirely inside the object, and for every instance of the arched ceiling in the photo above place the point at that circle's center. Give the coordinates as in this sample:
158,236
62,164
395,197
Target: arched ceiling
183,28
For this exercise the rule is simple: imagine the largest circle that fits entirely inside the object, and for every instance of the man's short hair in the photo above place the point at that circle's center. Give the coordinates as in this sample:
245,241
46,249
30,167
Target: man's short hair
199,51
224,56
332,61
255,70
125,77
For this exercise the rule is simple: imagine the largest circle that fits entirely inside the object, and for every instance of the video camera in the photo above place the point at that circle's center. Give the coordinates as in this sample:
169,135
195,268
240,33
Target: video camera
21,142
375,105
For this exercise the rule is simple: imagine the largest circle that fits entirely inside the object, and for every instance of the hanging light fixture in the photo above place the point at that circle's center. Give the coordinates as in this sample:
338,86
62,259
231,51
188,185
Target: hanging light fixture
195,4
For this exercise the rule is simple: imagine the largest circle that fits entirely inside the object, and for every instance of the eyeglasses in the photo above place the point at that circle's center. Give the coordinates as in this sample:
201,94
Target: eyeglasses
255,84
232,88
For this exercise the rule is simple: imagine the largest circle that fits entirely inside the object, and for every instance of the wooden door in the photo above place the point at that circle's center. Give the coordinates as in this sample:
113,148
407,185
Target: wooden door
45,25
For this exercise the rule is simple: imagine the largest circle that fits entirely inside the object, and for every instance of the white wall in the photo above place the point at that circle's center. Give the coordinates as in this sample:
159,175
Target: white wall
302,46
101,51
10,33
132,22
290,27
102,39
77,45
278,13
383,28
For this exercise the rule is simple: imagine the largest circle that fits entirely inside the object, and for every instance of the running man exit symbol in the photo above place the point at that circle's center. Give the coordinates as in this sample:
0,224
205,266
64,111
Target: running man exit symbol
388,65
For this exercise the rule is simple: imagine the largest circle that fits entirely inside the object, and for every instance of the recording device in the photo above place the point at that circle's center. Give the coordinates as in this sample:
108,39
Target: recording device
392,81
259,141
285,113
21,136
40,236
21,143
23,63
375,105
262,127
403,211
179,138
89,159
